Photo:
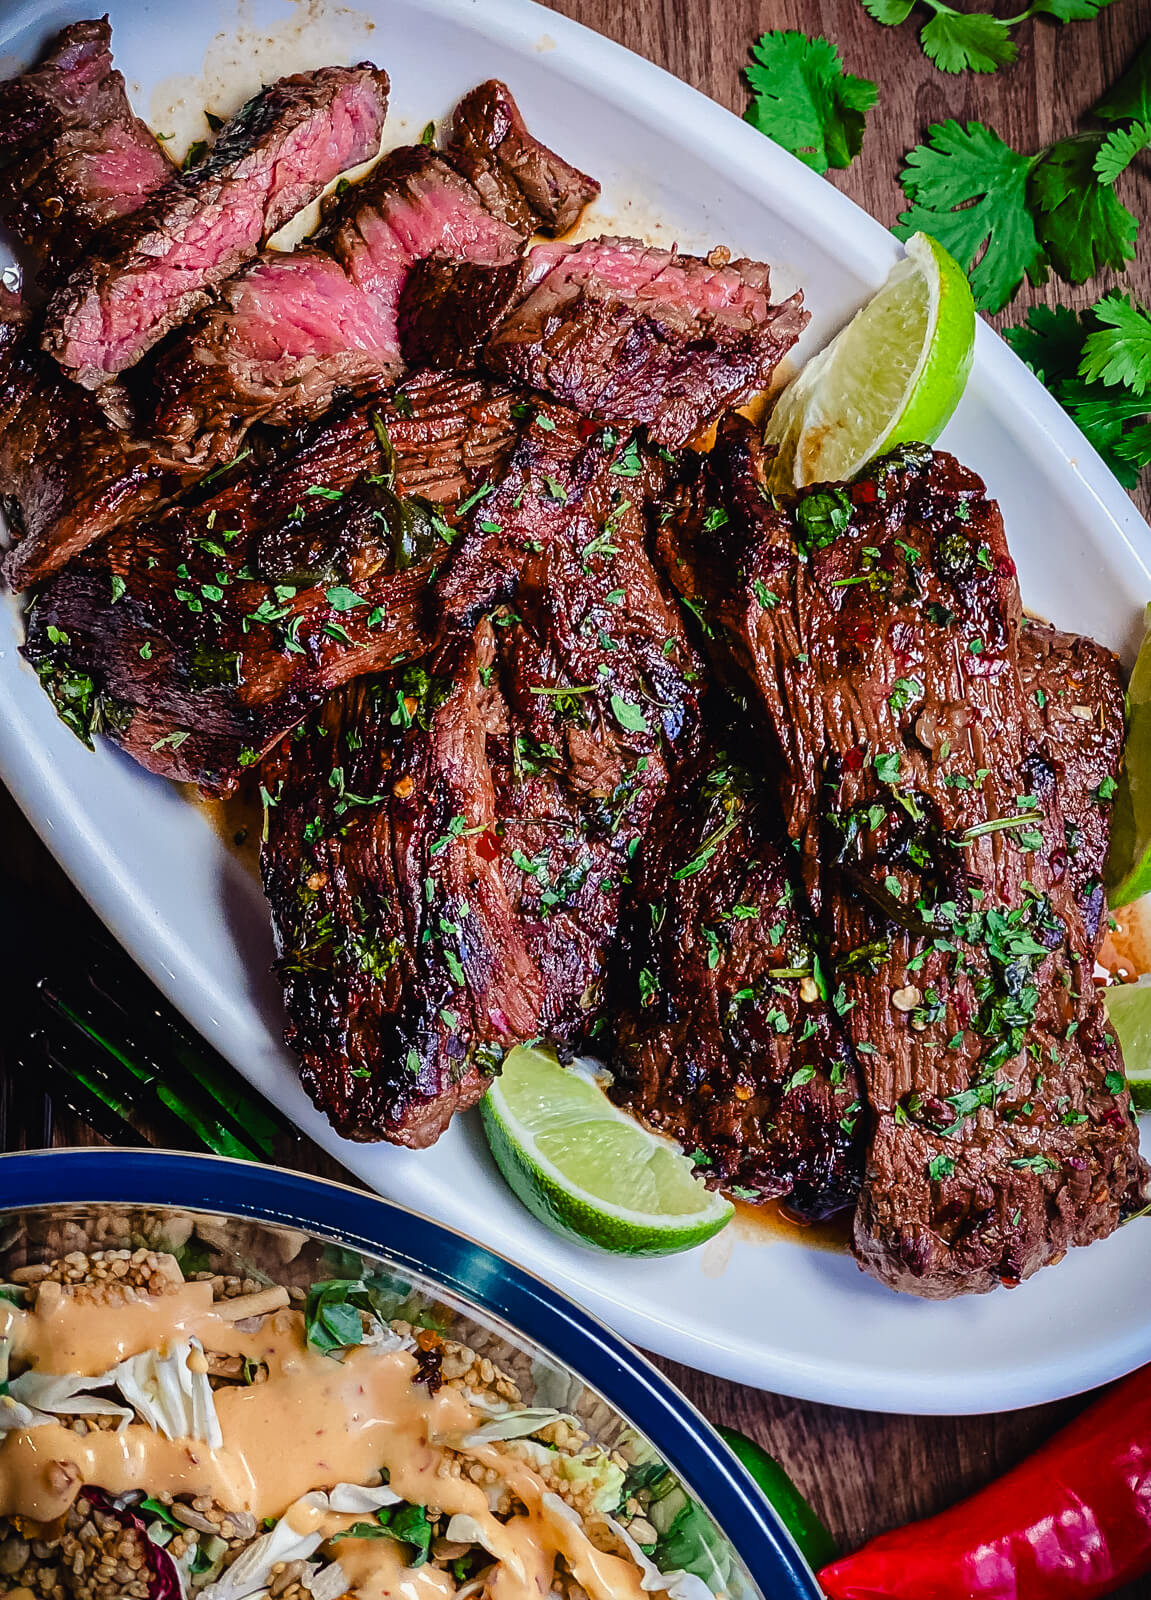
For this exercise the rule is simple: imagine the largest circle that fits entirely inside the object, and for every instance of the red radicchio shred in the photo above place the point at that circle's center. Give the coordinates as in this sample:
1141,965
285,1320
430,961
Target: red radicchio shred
163,1579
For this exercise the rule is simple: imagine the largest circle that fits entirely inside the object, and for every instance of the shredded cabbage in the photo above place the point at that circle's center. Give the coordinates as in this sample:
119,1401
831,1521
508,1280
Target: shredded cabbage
509,1424
355,1499
249,1573
161,1389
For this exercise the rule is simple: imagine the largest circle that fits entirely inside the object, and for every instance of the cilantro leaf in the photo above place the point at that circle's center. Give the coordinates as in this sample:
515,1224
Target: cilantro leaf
1081,223
1120,350
1067,10
1050,342
1070,353
1119,149
890,12
971,168
974,41
804,100
1130,99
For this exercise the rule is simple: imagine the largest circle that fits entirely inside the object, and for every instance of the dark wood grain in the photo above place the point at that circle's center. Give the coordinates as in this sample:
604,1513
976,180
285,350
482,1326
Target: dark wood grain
864,1472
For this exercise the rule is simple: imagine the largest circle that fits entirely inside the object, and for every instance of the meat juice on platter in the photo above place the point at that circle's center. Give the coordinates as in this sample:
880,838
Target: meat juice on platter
454,543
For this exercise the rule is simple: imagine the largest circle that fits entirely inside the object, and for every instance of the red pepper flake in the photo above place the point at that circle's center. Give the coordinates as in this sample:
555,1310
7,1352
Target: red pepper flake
860,632
487,846
1005,567
865,493
853,760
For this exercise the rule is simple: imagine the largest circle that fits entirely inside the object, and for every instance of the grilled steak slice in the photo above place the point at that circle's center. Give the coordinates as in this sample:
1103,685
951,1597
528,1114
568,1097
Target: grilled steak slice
398,1001
160,264
73,156
519,179
722,1039
879,629
67,474
448,308
198,639
1073,693
620,330
290,329
446,858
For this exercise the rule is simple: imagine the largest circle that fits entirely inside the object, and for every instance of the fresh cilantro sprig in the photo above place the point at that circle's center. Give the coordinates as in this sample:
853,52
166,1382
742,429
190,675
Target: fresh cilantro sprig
802,97
1097,364
1006,216
975,41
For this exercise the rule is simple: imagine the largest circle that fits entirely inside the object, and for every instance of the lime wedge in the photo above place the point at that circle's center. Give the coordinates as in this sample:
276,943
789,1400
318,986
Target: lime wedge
1128,870
1129,1008
586,1169
893,375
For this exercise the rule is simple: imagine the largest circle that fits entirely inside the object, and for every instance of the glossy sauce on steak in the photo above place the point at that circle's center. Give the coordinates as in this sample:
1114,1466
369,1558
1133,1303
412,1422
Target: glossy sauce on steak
723,1034
878,625
198,639
499,792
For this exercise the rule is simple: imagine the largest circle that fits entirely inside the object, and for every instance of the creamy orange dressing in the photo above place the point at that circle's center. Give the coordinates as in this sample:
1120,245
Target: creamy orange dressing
375,1570
313,1423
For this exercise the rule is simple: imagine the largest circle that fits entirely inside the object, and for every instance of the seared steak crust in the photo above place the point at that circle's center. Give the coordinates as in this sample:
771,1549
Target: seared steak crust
879,627
447,856
617,329
160,264
73,156
398,1000
206,634
519,179
67,473
723,1036
1073,695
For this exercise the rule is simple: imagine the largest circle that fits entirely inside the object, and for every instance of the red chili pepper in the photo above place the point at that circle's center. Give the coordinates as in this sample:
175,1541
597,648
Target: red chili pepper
1073,1522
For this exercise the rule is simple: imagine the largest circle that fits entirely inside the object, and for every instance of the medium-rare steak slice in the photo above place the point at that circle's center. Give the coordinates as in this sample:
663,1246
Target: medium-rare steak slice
878,624
290,329
197,639
620,330
447,855
67,474
518,178
73,156
159,265
723,1034
1073,694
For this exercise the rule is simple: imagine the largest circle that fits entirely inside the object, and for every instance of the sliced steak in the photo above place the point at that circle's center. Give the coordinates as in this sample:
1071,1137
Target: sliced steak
198,639
878,625
160,264
722,1036
67,473
1073,693
519,179
446,858
618,329
398,1000
290,329
73,156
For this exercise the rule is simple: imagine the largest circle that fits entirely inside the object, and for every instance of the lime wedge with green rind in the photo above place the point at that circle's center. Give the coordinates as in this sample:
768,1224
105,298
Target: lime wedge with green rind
589,1171
1128,870
892,376
1129,1010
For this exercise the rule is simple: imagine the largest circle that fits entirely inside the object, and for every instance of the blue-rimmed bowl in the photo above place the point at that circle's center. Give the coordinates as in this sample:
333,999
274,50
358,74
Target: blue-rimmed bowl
234,1217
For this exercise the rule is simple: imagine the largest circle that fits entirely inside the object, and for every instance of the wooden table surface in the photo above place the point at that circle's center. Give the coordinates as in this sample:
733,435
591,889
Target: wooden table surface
864,1472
